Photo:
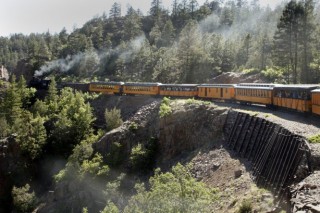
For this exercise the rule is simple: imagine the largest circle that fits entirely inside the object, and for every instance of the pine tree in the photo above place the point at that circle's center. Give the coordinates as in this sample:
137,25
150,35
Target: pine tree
31,134
193,5
167,35
52,97
307,38
132,25
12,102
156,7
228,58
115,11
190,52
287,40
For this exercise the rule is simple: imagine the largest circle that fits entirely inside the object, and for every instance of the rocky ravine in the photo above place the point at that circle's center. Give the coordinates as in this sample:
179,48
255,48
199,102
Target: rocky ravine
192,133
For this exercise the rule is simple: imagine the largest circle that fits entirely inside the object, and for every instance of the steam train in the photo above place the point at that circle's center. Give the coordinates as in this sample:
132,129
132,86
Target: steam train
299,97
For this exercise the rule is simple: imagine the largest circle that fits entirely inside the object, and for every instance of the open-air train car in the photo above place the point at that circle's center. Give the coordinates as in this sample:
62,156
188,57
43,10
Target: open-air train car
179,90
247,93
296,97
315,97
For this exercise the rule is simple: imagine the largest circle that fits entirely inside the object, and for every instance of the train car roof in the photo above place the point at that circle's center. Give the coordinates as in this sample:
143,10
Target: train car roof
178,85
255,86
297,87
217,85
73,83
147,84
107,83
316,90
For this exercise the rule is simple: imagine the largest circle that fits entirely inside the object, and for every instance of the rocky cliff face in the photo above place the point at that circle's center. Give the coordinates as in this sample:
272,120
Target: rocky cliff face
189,127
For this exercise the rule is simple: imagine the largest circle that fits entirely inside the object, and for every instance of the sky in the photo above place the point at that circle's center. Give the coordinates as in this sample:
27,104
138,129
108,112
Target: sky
39,16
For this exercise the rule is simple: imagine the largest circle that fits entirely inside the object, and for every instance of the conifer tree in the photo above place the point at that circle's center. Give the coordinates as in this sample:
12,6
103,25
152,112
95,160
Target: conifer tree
307,39
287,40
115,11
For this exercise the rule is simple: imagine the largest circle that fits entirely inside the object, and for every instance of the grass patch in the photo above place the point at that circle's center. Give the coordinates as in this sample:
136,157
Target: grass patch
246,207
198,102
314,139
254,114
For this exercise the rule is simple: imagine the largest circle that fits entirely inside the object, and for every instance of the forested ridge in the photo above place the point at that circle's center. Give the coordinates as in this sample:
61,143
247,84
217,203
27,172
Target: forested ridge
191,43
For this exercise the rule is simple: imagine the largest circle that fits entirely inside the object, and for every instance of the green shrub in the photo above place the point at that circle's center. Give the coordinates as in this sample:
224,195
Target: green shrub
113,118
138,157
251,71
142,157
133,126
165,108
23,199
246,207
273,74
110,208
175,191
314,139
116,155
94,167
166,101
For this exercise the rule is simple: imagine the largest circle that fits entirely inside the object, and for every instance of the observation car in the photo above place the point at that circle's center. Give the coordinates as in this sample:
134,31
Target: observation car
217,91
315,97
133,88
247,93
296,97
179,90
106,87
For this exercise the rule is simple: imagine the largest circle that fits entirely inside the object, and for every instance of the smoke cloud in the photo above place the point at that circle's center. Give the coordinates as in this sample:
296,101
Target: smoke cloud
60,65
68,63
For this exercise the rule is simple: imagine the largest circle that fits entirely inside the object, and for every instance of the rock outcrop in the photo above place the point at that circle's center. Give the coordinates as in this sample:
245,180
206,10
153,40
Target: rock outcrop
305,196
189,127
235,78
4,74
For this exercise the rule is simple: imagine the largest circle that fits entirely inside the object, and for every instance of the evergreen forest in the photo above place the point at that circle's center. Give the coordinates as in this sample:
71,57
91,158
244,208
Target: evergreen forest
190,43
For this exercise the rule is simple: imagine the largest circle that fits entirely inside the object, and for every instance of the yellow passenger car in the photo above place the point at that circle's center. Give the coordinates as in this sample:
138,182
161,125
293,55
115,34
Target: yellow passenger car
179,90
315,100
217,91
248,93
133,88
296,97
106,87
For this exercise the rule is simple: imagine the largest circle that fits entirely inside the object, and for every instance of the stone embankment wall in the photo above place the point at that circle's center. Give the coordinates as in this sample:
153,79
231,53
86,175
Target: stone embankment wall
275,152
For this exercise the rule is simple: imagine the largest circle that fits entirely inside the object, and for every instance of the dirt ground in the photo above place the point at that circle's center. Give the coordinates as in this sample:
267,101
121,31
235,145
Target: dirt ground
224,170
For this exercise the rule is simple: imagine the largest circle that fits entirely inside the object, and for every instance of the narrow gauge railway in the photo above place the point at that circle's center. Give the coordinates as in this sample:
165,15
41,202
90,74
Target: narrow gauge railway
297,97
